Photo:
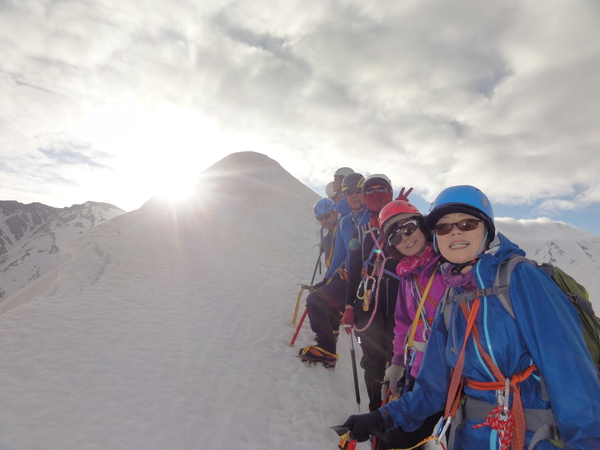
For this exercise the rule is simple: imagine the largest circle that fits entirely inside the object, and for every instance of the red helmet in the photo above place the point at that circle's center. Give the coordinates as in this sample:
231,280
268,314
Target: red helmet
398,209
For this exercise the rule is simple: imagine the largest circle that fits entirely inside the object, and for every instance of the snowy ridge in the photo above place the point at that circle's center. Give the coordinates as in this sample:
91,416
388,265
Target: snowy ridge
168,327
32,236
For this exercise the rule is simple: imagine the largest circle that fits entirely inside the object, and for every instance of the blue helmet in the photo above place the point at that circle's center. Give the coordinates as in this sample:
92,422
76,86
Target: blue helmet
464,199
323,206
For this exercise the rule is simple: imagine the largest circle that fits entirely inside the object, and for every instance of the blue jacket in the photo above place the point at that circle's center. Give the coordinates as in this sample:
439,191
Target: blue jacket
342,208
546,332
343,240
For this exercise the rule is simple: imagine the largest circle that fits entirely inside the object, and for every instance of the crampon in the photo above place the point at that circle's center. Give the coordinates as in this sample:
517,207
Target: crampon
313,354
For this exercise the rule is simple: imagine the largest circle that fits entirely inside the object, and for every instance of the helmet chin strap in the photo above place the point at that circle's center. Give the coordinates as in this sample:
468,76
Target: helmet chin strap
458,268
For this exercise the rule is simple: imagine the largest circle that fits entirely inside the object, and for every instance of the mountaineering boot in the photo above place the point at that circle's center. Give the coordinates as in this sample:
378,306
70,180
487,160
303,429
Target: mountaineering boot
336,335
313,355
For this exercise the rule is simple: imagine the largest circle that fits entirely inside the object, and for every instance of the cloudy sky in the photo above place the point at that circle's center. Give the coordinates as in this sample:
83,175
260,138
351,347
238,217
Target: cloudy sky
115,100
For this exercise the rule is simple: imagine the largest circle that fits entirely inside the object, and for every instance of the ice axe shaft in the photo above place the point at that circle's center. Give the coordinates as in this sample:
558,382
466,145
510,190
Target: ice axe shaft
298,327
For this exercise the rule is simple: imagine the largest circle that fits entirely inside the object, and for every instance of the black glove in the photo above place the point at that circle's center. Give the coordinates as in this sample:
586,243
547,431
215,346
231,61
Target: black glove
363,425
320,284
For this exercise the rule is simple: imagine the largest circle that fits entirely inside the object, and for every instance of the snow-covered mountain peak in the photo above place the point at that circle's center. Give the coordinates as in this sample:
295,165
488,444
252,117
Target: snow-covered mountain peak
32,235
251,173
575,251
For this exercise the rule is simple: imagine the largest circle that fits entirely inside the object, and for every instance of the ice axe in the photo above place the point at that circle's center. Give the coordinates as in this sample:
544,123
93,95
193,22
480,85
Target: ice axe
304,286
345,442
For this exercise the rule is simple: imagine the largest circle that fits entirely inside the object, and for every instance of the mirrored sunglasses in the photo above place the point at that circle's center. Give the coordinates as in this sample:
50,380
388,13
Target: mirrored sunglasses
376,190
463,225
406,229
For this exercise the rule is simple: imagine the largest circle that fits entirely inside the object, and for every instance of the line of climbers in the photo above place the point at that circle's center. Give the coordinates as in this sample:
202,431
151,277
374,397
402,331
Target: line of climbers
446,362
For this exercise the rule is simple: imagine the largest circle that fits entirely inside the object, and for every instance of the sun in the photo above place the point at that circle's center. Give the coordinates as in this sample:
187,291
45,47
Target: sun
175,186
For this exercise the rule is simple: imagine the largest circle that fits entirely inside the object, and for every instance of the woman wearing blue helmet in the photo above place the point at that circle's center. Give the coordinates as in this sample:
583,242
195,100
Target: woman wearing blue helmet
522,382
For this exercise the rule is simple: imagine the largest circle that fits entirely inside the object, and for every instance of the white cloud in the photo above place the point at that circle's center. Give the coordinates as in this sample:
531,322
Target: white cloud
431,93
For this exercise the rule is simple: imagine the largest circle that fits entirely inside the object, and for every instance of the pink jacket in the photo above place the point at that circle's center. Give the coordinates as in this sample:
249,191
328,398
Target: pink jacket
407,304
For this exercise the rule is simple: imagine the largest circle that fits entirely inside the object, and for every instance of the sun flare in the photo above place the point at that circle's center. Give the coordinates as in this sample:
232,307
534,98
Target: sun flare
175,188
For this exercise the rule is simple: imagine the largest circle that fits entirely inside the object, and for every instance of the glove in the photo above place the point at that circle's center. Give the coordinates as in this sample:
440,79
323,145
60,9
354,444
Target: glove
392,375
363,425
320,284
348,319
402,195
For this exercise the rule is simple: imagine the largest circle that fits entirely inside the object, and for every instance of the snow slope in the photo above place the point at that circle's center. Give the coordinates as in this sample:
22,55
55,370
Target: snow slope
168,328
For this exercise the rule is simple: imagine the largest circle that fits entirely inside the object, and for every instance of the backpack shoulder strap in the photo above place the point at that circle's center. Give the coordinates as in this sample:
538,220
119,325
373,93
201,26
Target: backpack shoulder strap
502,281
445,301
500,288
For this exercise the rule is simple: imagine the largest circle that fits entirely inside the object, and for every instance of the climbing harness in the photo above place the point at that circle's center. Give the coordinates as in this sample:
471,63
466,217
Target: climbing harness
373,280
509,423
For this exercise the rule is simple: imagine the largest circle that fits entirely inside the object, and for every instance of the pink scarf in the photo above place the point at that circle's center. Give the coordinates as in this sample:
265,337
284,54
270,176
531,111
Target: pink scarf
410,263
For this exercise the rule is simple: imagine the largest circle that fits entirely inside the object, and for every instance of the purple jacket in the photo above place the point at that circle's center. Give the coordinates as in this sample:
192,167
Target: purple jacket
407,304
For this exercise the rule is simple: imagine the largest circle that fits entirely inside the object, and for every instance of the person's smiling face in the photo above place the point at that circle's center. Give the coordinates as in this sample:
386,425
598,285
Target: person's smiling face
412,244
460,246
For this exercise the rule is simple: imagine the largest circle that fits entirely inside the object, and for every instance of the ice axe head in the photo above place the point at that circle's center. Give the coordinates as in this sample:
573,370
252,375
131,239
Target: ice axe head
345,442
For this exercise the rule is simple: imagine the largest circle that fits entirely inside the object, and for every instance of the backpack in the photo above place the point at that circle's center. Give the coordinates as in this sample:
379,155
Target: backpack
575,292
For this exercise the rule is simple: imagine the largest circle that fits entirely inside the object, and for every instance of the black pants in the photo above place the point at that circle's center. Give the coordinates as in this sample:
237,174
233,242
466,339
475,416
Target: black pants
376,340
325,308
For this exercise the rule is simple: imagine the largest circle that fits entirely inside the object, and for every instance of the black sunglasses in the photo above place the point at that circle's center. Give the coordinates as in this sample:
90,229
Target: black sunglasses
352,191
406,229
324,216
463,225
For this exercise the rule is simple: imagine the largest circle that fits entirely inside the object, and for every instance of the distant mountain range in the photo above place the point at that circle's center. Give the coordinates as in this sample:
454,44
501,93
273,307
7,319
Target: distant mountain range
32,235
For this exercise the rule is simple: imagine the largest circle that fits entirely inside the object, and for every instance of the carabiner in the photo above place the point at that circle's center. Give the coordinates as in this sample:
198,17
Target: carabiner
506,396
361,287
442,429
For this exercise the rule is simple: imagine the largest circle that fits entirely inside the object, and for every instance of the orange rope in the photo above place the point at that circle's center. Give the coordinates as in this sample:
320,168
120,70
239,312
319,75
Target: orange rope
453,399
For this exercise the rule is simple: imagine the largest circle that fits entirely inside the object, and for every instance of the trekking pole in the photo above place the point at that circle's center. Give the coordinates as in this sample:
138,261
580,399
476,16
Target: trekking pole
317,265
354,371
303,286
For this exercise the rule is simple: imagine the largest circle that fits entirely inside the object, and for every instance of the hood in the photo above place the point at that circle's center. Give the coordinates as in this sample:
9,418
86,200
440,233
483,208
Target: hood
501,249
